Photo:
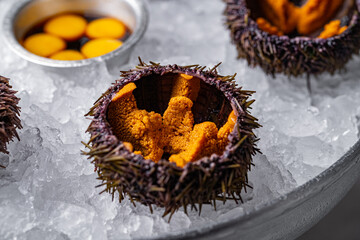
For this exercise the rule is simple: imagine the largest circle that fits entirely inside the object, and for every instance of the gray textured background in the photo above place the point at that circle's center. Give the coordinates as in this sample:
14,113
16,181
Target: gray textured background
342,223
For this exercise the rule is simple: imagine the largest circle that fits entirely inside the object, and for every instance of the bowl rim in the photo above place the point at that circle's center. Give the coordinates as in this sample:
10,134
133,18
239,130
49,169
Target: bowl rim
141,12
297,195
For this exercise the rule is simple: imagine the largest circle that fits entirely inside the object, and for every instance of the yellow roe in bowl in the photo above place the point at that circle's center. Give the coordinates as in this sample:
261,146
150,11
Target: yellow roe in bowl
106,28
68,55
69,27
43,44
98,47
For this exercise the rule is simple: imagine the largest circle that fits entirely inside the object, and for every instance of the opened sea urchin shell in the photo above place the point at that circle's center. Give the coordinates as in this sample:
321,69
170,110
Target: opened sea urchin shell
9,114
291,54
163,183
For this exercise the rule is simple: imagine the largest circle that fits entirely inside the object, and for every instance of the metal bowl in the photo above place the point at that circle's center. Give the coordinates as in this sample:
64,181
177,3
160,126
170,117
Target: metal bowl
27,13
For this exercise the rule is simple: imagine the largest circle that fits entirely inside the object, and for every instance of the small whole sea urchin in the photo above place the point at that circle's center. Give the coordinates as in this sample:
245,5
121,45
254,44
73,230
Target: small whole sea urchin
171,181
288,37
9,114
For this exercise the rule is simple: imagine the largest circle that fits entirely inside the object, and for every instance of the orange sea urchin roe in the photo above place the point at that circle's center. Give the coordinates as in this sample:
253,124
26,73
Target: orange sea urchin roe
282,16
267,27
69,27
128,146
99,47
122,104
140,128
281,13
106,28
126,94
332,29
43,44
315,14
202,143
144,130
225,130
204,140
68,55
178,122
187,86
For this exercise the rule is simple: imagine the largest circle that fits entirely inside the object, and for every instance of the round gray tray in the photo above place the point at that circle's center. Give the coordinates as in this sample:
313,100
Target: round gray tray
291,215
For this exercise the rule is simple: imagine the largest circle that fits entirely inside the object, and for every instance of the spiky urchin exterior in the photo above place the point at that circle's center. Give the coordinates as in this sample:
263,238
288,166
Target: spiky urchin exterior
163,183
9,114
291,56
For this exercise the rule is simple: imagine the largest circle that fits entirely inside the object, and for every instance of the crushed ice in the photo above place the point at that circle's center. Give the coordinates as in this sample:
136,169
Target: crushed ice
47,189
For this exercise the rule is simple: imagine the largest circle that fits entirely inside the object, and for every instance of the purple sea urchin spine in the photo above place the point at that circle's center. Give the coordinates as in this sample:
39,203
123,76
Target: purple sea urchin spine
9,114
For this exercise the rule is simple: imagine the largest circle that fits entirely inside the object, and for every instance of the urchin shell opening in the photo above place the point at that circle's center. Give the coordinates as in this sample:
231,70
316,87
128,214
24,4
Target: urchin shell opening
344,13
209,114
151,95
163,183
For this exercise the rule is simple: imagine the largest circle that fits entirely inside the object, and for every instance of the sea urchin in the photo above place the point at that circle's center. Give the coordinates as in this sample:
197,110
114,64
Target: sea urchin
295,37
9,114
154,136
